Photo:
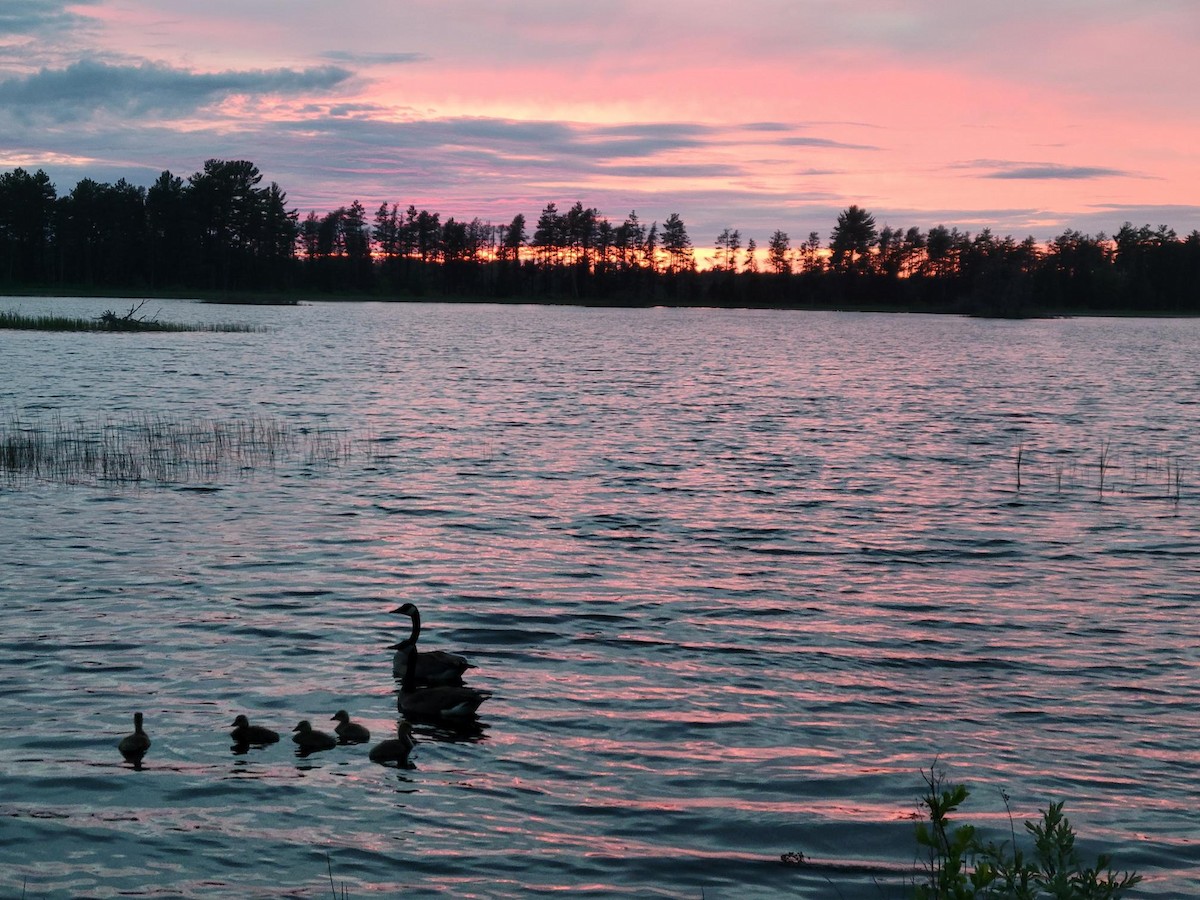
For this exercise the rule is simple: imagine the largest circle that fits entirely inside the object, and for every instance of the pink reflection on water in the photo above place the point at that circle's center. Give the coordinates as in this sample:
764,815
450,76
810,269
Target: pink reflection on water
762,587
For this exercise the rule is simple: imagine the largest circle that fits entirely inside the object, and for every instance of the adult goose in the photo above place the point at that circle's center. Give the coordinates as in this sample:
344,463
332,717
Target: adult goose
308,740
439,703
394,749
134,746
244,733
433,666
349,732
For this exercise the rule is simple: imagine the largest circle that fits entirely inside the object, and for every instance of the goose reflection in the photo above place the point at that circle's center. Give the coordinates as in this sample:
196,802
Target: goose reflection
471,731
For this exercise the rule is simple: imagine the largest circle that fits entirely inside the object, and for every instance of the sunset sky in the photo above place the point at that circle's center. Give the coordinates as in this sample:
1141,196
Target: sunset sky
1026,116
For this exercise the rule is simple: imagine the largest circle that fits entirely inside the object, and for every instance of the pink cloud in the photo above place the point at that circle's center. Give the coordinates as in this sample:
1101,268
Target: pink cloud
794,111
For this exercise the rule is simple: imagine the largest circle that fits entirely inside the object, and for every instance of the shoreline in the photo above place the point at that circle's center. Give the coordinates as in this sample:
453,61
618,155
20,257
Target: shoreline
272,298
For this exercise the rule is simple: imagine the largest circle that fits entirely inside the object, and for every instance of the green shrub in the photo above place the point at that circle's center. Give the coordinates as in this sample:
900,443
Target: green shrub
959,866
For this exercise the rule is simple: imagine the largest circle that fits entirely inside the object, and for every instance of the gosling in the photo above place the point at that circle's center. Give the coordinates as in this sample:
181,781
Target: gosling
245,733
308,740
394,750
134,746
349,732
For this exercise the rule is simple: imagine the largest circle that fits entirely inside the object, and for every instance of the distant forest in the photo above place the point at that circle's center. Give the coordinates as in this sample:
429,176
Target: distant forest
220,232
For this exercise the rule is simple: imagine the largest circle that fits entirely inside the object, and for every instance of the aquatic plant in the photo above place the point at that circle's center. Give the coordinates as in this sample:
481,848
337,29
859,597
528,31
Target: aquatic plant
153,449
1149,474
332,887
959,865
1104,448
110,320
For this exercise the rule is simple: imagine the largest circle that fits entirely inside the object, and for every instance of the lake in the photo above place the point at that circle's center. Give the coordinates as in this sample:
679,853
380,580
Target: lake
735,580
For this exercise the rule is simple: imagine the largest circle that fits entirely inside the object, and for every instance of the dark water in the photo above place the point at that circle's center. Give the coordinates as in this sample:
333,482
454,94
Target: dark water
735,579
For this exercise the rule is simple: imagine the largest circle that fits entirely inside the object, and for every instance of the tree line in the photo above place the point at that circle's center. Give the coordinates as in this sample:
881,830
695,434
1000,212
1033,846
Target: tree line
220,230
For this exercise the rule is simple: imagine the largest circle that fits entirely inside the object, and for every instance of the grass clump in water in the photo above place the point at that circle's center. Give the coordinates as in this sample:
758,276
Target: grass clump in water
109,320
151,449
1104,472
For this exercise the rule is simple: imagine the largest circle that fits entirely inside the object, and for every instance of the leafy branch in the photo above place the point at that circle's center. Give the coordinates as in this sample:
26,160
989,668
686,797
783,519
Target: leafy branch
960,866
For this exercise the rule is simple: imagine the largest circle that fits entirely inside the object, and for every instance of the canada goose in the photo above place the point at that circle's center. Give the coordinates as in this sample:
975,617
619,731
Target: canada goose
309,740
349,732
440,702
433,666
134,746
245,733
394,749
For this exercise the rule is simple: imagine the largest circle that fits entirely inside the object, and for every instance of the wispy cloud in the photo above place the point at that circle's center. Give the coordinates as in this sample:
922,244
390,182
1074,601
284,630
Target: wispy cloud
804,141
352,58
1055,172
665,170
34,17
1024,170
1021,117
1182,217
84,88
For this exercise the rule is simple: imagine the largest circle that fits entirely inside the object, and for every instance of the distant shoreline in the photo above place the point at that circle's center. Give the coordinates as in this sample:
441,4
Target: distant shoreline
219,236
276,298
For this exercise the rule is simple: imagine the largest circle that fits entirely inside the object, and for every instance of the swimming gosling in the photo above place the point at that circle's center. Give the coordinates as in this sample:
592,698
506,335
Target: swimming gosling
134,746
349,732
394,749
245,733
309,740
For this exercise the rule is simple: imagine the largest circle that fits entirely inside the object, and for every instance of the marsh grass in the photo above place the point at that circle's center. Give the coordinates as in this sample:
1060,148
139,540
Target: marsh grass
1104,472
1105,449
109,320
157,450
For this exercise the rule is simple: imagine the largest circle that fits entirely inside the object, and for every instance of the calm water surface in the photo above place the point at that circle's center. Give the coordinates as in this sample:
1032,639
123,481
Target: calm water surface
735,579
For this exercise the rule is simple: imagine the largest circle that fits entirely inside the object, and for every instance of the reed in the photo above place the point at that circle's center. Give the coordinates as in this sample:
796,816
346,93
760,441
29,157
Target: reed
111,321
332,886
154,449
1108,474
1104,463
